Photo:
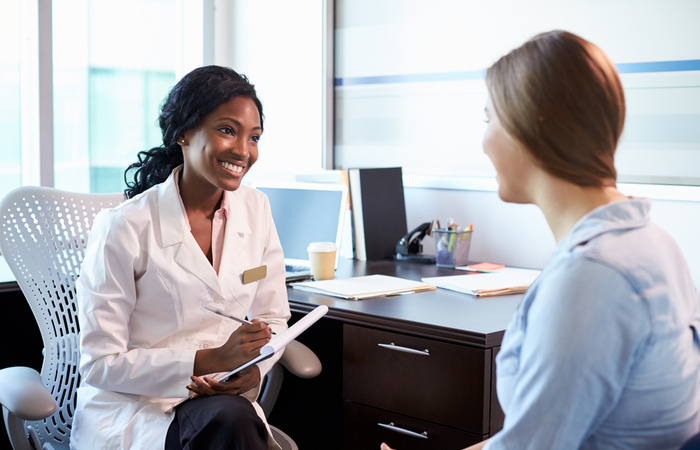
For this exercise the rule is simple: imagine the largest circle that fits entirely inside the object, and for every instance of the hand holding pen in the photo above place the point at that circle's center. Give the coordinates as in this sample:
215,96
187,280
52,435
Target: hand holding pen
242,345
228,316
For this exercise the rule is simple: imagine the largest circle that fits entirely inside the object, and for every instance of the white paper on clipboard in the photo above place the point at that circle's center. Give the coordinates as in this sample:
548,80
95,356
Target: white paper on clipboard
279,342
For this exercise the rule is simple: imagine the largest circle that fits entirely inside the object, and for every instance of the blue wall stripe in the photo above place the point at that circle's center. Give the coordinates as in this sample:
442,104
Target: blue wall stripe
411,78
659,66
641,67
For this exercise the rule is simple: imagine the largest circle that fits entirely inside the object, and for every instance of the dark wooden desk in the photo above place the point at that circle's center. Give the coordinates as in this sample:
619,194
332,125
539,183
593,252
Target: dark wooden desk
19,333
450,394
355,392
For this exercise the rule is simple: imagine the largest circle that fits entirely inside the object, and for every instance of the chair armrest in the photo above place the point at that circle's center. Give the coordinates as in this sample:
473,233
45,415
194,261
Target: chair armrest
300,360
24,395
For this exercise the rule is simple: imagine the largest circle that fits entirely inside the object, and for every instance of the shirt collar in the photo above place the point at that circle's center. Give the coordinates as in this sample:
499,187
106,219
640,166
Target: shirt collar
223,208
620,215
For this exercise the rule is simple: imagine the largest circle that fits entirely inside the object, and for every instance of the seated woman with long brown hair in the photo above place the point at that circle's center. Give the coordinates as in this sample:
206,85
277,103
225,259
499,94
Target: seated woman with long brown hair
603,349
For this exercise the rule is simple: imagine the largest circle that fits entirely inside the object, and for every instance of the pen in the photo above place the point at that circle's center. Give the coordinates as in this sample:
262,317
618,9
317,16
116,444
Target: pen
228,316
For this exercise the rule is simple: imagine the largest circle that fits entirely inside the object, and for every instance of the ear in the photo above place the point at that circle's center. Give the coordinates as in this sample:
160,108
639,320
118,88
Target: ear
182,142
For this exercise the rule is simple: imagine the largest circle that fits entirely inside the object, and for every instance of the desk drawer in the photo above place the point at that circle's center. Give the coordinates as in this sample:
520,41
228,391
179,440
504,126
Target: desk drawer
429,380
362,430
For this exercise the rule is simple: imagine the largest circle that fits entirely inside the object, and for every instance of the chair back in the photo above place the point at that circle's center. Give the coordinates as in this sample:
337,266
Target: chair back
44,233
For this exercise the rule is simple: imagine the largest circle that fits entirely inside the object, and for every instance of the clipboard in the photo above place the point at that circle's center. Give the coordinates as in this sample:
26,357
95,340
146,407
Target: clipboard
280,342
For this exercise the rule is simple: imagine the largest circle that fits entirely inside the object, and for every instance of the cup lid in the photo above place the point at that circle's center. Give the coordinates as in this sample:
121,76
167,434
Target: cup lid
322,247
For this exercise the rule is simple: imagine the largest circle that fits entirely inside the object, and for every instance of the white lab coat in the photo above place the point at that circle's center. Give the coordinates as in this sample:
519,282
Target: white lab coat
140,295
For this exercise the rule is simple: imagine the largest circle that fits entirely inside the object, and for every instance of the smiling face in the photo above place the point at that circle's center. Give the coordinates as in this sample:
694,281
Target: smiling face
221,150
514,166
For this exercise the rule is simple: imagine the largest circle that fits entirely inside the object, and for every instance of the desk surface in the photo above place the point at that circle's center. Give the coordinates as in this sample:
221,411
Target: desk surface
439,314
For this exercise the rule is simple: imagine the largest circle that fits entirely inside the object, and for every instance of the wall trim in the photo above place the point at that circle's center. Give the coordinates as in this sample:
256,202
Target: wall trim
489,184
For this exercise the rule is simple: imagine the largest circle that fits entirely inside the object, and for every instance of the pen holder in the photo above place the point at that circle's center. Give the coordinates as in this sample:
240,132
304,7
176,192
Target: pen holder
452,247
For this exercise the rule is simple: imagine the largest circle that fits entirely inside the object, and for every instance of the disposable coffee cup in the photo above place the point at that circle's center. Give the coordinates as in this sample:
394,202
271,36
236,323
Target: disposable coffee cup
322,257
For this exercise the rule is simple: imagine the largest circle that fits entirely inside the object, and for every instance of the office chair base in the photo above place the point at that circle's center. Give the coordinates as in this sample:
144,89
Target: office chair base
283,440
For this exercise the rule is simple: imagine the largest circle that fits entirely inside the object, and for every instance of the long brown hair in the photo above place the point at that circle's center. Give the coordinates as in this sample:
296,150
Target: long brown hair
561,98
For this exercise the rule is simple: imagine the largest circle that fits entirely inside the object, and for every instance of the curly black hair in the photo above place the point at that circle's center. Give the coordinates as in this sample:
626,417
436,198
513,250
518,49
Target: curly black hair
197,94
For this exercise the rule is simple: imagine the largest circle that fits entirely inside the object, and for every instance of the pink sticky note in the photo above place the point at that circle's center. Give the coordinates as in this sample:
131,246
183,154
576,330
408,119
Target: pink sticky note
485,266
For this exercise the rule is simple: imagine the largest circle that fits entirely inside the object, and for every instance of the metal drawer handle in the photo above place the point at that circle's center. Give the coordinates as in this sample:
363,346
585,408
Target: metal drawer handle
393,346
392,427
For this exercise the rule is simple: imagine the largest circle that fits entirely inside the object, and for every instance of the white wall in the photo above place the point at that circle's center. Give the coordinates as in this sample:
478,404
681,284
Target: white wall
518,235
284,58
681,220
278,45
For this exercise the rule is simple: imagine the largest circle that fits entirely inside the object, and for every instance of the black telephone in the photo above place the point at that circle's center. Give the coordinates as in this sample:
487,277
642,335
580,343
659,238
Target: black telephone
410,247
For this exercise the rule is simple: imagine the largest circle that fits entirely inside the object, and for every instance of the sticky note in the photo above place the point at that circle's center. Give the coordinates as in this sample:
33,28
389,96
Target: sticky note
485,266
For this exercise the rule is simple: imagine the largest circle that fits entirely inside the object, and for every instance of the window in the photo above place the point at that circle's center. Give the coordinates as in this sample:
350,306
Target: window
10,154
279,46
114,62
409,85
81,83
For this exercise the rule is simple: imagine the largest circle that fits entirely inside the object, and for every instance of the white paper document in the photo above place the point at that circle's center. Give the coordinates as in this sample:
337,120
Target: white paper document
505,281
360,288
279,342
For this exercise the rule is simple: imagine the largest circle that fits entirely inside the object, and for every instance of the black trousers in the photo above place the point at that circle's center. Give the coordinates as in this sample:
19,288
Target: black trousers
692,443
218,422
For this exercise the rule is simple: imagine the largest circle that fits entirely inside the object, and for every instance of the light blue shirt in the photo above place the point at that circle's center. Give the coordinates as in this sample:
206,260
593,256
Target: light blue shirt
603,352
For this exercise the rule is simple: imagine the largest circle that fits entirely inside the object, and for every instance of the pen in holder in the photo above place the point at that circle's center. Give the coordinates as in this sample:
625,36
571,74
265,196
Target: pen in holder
452,247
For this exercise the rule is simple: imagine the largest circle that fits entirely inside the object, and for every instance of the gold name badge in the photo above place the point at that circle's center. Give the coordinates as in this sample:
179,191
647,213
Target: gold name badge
255,274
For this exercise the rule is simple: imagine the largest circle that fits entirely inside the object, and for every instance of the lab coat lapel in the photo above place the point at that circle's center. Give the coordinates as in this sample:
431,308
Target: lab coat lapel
235,246
191,257
174,231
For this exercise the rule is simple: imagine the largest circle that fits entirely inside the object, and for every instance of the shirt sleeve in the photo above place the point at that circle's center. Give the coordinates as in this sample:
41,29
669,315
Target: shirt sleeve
581,334
106,293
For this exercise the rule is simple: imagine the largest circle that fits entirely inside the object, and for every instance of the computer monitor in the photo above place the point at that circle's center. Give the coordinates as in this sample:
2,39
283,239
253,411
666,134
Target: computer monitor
305,213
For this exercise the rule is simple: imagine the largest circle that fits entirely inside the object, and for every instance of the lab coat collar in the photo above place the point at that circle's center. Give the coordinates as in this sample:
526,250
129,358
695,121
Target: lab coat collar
236,218
174,231
172,221
234,238
173,224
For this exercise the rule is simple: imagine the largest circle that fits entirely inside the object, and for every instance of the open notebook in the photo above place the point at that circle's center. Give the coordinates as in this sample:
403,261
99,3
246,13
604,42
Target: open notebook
305,213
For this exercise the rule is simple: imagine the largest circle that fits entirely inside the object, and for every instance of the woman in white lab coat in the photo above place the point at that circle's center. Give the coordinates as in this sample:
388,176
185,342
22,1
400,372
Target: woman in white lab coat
186,237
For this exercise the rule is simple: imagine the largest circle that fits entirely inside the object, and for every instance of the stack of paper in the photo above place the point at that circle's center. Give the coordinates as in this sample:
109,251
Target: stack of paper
502,282
360,288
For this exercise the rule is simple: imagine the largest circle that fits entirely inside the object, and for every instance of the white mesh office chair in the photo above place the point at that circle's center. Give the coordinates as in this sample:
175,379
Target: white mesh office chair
44,233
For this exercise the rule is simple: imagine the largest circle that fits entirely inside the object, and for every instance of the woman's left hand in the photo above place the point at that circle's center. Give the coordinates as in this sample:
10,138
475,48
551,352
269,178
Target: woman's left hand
205,386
